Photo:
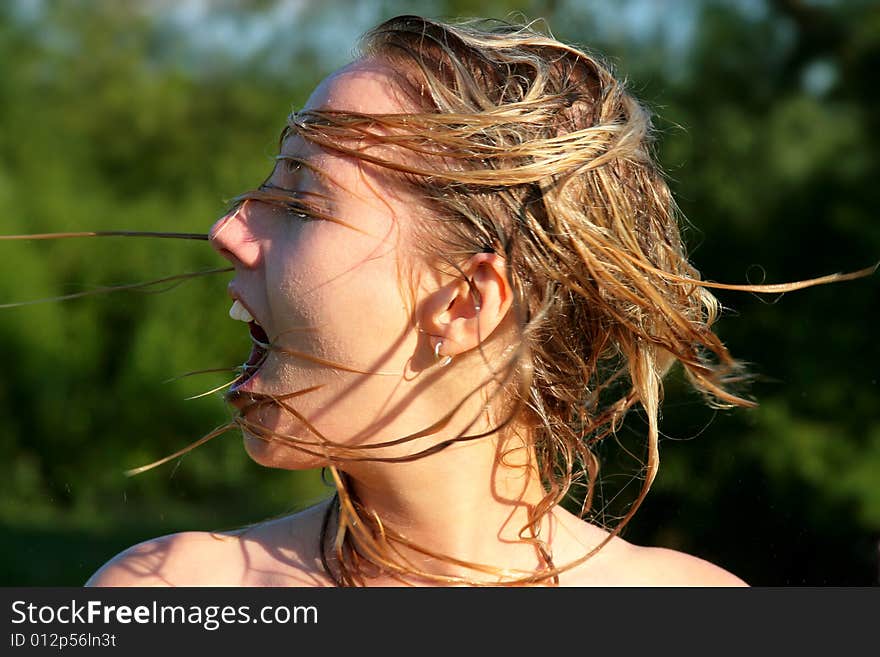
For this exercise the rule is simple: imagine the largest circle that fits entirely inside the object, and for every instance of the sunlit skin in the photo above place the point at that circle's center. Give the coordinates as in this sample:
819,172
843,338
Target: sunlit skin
342,294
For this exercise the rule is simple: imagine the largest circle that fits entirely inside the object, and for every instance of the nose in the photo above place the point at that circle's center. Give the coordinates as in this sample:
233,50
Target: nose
233,238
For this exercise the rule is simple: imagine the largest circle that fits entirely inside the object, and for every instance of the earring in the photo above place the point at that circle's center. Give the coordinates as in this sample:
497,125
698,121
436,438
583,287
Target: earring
443,361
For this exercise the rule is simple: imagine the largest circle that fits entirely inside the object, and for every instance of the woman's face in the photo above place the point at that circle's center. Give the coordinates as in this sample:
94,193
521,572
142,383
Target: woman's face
327,294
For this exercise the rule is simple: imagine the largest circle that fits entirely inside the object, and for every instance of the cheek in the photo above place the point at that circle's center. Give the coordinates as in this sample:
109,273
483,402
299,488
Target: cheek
344,287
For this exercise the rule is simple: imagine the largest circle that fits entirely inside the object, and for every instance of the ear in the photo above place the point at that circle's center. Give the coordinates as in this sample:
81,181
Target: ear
464,313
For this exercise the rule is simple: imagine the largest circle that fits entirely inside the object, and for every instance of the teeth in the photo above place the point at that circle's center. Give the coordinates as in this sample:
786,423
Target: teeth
239,312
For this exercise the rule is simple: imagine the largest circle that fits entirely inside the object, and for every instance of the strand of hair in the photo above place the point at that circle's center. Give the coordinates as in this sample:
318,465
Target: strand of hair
118,288
108,233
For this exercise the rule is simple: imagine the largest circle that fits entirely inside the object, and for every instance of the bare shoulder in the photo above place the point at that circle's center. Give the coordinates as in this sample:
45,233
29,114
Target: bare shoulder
182,559
655,566
621,563
278,552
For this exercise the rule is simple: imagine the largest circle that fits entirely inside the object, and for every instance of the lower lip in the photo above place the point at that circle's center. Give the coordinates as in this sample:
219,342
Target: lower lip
245,381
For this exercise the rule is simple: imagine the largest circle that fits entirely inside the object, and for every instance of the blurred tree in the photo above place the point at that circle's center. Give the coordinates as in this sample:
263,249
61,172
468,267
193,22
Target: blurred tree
773,164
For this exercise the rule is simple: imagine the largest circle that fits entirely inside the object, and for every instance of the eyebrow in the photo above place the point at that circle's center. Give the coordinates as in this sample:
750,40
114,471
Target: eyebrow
296,191
301,163
268,185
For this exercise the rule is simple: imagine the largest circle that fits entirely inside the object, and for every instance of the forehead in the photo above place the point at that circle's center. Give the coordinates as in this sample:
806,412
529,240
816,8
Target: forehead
365,86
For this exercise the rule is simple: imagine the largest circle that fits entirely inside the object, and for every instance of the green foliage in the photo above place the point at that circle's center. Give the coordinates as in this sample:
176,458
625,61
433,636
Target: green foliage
98,134
774,173
768,126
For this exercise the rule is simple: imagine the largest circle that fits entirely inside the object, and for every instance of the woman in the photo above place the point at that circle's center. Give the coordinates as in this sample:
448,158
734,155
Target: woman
462,272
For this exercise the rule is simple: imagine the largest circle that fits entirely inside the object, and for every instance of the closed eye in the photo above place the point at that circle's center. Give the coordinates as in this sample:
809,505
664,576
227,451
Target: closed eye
267,185
297,213
294,207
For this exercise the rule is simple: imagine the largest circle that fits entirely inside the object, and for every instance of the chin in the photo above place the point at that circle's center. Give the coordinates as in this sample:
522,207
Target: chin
274,454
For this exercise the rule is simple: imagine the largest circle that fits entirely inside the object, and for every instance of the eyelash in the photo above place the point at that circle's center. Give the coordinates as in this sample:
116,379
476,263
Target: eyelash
293,209
298,212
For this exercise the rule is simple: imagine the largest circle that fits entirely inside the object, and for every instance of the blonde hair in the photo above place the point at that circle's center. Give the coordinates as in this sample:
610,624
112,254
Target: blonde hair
532,149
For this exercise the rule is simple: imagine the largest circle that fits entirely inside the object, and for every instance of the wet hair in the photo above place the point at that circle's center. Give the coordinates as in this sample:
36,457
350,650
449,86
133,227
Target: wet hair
533,149
524,146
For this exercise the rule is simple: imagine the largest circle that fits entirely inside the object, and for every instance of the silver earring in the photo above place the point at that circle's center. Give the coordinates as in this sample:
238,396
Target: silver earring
443,361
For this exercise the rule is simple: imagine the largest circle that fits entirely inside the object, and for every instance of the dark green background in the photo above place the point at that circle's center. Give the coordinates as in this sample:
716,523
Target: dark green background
125,115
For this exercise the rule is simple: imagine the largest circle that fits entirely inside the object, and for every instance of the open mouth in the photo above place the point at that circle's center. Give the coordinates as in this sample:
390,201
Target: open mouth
259,351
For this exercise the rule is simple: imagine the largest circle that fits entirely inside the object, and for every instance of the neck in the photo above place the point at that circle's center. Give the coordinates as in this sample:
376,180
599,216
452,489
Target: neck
450,513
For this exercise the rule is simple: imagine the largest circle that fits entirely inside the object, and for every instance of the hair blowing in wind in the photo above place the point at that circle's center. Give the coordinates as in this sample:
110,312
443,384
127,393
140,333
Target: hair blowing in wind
530,148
